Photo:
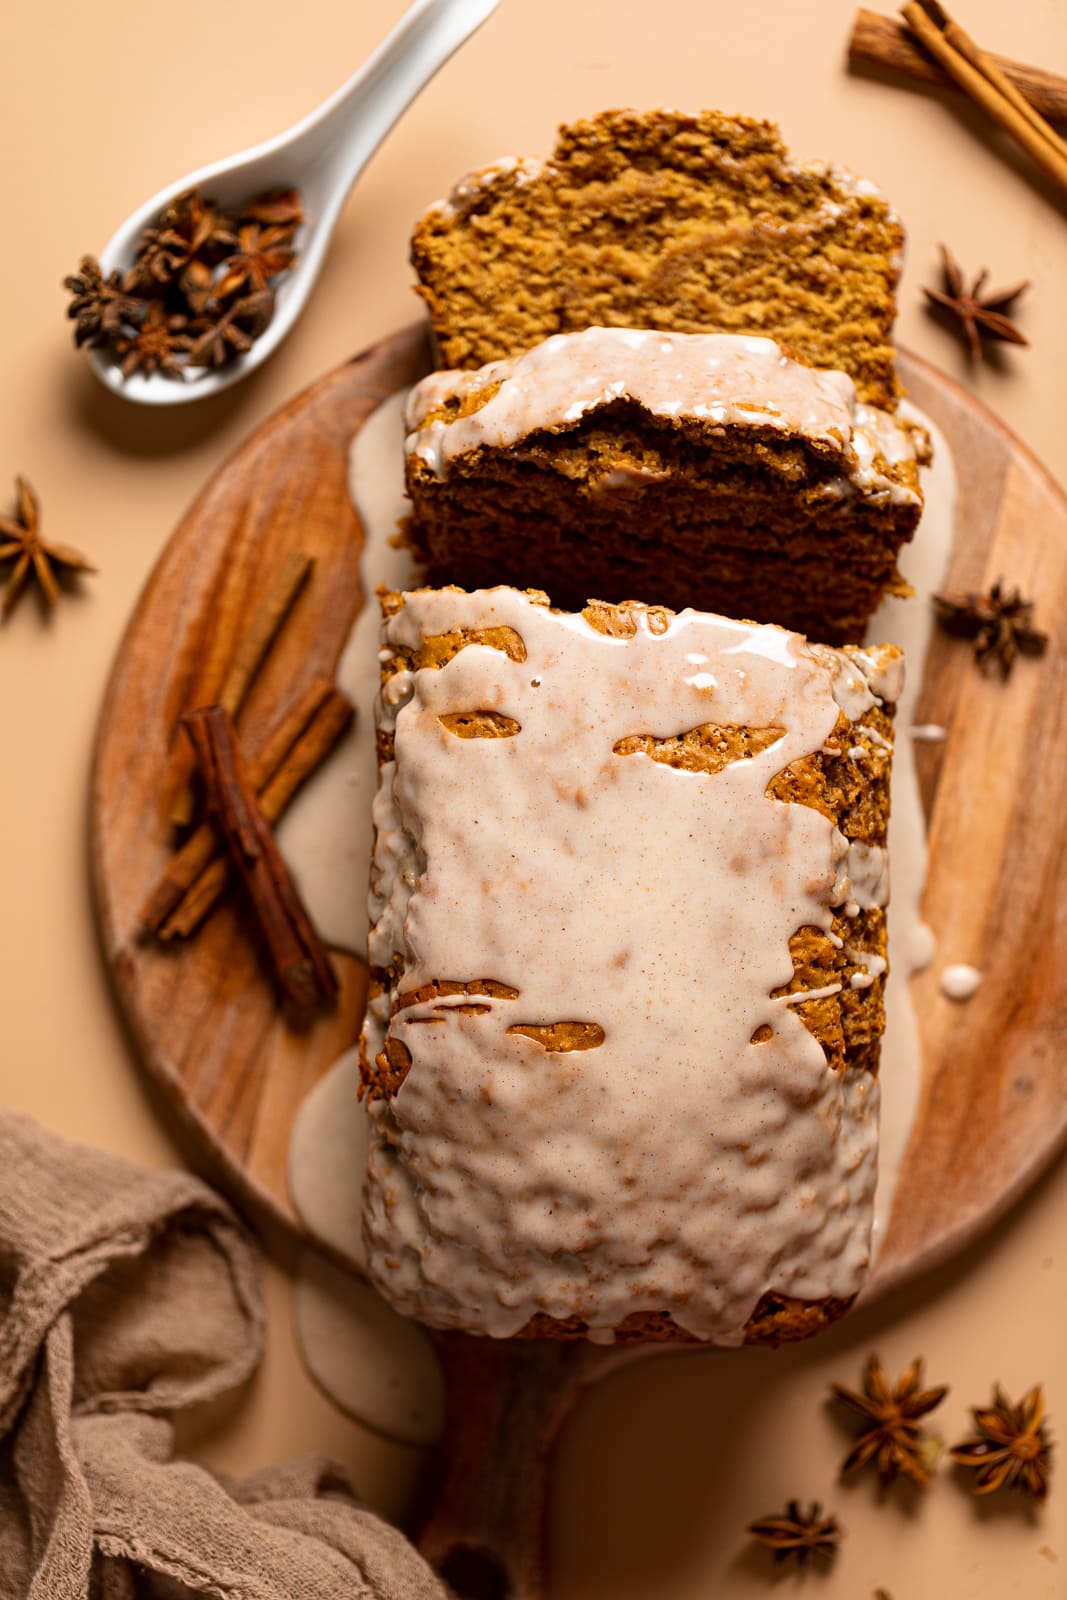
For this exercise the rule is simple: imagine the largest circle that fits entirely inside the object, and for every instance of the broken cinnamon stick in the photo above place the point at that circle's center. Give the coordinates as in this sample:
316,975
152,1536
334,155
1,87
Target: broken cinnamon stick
884,42
186,865
204,890
297,955
251,652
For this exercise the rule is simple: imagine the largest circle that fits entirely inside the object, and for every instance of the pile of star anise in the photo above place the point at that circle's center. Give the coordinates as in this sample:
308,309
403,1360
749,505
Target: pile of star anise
200,290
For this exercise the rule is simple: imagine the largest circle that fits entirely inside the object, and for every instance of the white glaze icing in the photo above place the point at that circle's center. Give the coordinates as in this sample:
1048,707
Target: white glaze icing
928,732
874,736
731,380
960,981
678,1166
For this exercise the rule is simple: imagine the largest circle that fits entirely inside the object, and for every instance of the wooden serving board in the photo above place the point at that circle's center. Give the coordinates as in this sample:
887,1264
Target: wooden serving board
993,1105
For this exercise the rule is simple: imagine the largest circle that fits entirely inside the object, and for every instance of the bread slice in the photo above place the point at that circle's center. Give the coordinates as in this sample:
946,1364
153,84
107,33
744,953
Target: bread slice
692,224
710,470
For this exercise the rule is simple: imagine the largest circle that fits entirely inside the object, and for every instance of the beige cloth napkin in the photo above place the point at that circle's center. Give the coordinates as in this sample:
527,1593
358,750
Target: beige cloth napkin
126,1295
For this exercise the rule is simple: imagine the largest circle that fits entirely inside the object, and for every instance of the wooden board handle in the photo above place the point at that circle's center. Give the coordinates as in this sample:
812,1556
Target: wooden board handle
484,1530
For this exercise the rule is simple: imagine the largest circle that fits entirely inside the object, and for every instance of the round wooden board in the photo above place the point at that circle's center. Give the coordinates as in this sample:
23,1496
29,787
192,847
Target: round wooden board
993,1107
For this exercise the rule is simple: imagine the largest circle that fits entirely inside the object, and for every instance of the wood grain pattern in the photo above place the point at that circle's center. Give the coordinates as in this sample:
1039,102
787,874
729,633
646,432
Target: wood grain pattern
993,1109
203,1013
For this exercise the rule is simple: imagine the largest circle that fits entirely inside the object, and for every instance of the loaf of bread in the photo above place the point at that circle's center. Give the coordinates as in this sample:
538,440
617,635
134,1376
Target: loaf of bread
628,959
658,219
705,470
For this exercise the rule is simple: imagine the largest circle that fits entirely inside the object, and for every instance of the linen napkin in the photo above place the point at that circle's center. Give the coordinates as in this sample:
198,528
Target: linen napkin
126,1295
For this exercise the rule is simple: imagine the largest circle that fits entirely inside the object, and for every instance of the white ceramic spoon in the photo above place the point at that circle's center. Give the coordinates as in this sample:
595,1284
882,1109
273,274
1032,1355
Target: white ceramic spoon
322,156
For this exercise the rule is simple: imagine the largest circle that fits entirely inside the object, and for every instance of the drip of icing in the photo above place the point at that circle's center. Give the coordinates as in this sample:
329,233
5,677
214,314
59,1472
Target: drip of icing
502,1181
732,380
909,623
928,732
960,981
874,736
326,834
521,168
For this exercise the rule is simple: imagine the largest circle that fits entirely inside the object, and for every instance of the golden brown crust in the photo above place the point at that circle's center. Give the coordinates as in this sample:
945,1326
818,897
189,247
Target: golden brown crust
777,1319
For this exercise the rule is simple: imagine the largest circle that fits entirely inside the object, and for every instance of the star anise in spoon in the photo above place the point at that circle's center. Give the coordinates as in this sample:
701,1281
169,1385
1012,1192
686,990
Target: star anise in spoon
798,1535
200,290
219,339
262,253
980,315
196,286
890,1434
99,307
158,345
1001,623
278,208
191,229
22,543
1012,1448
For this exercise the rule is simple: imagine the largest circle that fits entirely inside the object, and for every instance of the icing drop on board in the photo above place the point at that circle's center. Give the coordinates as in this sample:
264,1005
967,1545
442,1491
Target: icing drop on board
327,1153
376,1366
326,833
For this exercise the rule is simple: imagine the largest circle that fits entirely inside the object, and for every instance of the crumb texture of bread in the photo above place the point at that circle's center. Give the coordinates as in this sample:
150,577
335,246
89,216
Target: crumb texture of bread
628,965
689,223
710,470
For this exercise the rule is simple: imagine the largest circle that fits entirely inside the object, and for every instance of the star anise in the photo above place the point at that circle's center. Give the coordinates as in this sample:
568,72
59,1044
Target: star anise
890,1435
279,208
1000,623
191,229
219,339
33,557
158,345
196,286
99,306
1012,1449
198,292
161,257
262,254
799,1535
982,316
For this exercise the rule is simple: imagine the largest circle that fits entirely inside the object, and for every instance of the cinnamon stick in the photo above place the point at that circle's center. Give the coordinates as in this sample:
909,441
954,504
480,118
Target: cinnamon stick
186,865
297,956
985,94
884,42
251,652
204,890
960,40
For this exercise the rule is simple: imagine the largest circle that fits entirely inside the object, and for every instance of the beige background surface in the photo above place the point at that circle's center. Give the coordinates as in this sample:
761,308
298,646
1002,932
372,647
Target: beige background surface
663,1466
